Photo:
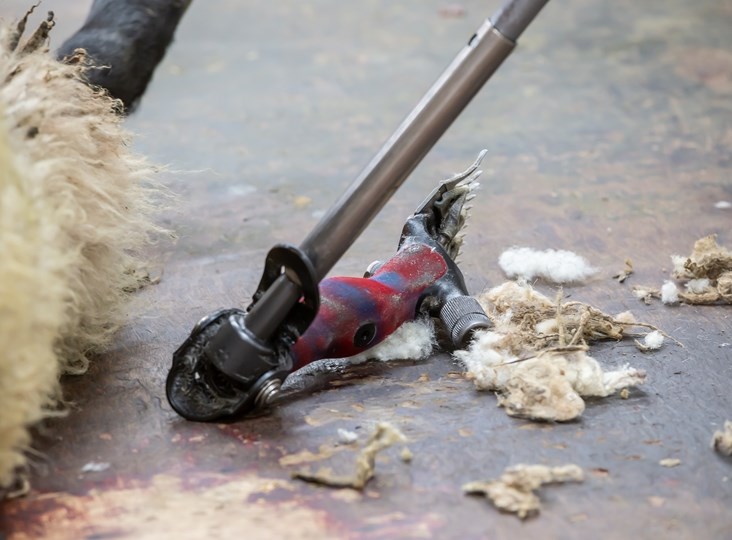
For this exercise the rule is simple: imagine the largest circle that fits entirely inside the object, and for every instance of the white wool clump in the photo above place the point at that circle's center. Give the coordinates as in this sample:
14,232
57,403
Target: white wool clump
413,340
546,327
95,466
642,292
669,293
653,340
723,205
556,266
347,437
698,286
483,360
678,263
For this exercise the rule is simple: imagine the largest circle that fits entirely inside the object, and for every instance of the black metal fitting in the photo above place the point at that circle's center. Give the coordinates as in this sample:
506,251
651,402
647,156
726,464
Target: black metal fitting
235,361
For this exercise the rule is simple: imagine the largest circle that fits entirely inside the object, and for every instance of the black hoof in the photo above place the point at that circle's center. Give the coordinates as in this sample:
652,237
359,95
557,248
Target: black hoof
125,40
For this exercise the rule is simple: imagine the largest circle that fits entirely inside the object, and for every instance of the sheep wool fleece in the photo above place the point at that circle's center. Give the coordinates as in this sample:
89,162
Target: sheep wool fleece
75,212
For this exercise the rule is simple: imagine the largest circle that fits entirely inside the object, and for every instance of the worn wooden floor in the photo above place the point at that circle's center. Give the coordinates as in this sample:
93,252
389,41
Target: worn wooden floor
609,133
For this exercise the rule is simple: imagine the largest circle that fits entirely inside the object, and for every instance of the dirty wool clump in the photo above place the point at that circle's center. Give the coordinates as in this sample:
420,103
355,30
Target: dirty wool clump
626,272
74,211
705,277
722,440
384,436
536,356
515,490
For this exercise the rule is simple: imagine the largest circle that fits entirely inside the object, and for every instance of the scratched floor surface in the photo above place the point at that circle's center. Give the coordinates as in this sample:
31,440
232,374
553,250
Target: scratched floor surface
609,133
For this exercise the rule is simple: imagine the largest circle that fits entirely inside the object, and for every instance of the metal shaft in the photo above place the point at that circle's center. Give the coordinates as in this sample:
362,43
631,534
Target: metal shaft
402,152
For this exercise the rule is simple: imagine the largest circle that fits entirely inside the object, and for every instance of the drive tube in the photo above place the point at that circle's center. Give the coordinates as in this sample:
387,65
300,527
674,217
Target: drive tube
386,172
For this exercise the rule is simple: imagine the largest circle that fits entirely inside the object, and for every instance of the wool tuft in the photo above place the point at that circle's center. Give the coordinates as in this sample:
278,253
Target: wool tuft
706,273
722,440
626,317
678,262
669,293
347,437
653,340
555,266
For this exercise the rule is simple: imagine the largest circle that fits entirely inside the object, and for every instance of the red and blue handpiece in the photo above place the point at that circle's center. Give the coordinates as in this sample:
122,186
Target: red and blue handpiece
354,314
357,313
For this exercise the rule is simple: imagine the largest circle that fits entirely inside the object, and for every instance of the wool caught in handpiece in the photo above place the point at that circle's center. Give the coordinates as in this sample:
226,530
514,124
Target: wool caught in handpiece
412,340
536,358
